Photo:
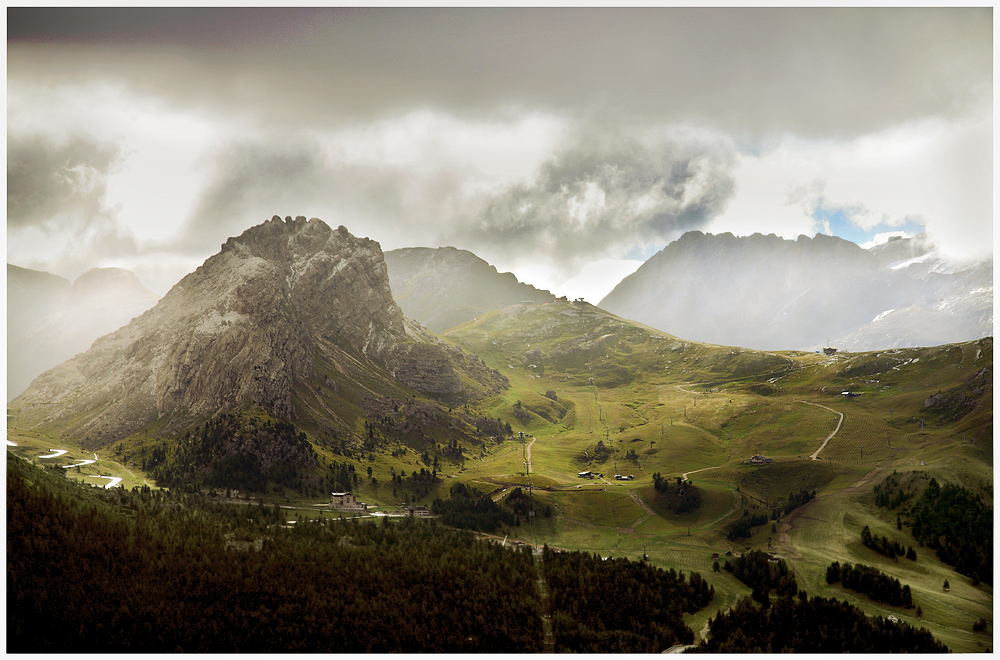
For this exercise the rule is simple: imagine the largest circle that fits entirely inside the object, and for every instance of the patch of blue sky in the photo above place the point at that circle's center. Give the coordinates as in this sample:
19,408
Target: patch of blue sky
837,222
643,252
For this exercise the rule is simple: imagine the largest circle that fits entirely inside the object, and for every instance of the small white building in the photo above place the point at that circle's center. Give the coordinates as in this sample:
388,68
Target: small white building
346,502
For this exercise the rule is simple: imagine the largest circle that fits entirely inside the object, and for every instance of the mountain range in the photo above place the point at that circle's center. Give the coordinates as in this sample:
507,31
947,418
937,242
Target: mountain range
757,291
292,318
50,319
770,293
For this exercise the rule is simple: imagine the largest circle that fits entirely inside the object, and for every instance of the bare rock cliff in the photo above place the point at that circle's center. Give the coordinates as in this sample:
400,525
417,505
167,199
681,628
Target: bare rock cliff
245,329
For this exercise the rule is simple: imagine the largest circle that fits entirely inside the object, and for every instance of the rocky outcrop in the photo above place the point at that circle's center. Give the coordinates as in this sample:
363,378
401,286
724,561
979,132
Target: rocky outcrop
246,329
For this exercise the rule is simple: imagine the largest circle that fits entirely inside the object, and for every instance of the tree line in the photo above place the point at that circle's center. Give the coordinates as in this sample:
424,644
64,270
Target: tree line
763,574
885,547
957,524
812,625
234,452
468,508
617,605
871,582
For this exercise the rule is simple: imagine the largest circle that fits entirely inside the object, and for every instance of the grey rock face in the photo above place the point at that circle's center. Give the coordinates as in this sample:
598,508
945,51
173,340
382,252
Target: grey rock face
245,329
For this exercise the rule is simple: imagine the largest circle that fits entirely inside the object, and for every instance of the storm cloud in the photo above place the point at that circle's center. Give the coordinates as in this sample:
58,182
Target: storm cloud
608,194
51,181
815,71
539,136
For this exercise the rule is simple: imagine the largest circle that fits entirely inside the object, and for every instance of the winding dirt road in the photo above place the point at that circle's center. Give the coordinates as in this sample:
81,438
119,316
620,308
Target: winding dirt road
815,454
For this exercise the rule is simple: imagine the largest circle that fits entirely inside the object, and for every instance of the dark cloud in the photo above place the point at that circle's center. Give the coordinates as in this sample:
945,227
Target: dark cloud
255,180
606,194
813,71
49,181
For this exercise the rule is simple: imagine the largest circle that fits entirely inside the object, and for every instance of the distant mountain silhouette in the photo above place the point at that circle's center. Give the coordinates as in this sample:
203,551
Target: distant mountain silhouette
442,287
770,293
49,319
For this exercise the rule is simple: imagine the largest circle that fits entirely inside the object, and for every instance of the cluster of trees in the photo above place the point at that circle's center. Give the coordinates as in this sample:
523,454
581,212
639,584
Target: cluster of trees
889,494
956,523
885,547
96,571
452,451
871,582
743,527
812,625
234,452
763,574
617,605
467,508
797,500
680,497
520,504
493,427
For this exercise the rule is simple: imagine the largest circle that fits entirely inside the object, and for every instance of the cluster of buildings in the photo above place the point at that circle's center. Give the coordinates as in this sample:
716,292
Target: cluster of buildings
757,458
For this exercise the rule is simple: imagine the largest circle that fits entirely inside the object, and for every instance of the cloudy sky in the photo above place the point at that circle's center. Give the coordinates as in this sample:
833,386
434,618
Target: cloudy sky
564,145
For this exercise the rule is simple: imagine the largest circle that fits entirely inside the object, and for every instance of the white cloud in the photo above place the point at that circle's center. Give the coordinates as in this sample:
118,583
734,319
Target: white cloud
592,283
934,172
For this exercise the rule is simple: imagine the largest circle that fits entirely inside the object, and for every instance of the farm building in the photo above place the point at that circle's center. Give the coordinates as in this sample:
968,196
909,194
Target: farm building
346,502
585,475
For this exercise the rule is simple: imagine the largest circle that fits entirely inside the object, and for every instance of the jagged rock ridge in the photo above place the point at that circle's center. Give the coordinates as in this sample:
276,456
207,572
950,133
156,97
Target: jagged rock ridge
262,323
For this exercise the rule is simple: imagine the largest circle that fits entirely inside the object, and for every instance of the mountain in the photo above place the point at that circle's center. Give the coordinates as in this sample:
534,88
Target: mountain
443,287
292,318
49,319
770,293
949,302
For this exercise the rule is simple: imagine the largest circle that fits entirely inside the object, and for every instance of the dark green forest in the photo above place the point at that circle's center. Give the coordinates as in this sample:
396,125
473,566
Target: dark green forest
954,521
234,452
617,605
871,582
957,524
763,574
90,570
467,508
680,496
812,625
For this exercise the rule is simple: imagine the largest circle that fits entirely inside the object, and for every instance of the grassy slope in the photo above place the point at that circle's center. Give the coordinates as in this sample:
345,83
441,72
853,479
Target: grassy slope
685,407
676,394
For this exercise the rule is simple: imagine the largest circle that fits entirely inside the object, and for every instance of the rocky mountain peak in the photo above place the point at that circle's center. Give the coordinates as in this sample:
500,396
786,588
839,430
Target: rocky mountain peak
246,329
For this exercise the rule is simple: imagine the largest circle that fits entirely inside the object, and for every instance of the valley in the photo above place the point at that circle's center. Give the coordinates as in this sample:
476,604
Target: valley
592,392
582,430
